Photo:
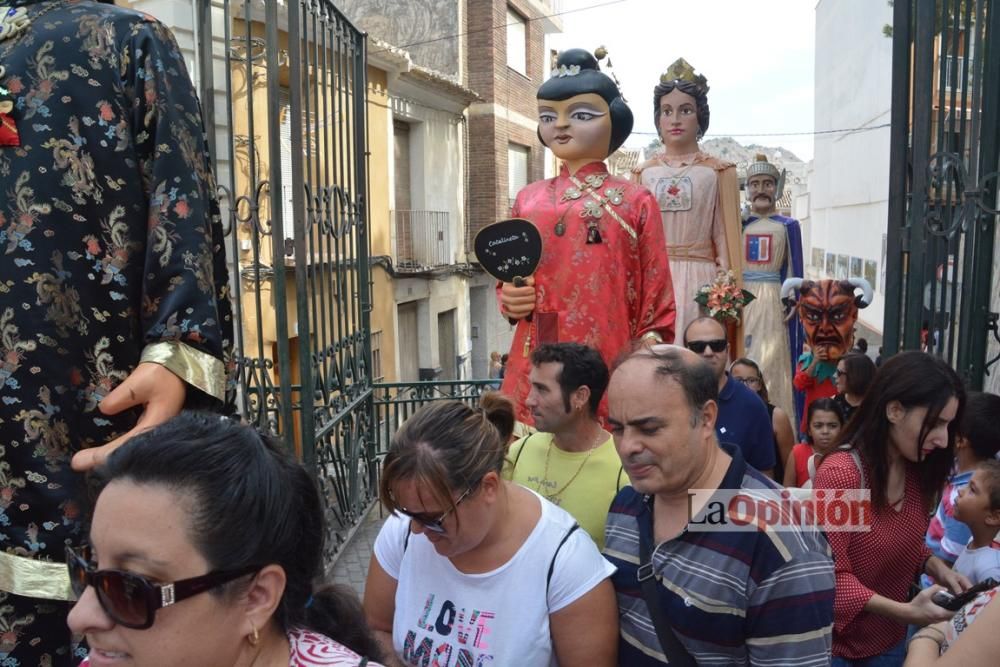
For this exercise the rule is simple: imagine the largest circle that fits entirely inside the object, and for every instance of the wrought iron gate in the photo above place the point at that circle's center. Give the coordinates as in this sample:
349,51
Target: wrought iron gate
943,180
287,127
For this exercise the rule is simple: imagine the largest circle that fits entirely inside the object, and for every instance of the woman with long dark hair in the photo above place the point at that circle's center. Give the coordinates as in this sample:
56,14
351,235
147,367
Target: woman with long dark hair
898,446
854,374
206,550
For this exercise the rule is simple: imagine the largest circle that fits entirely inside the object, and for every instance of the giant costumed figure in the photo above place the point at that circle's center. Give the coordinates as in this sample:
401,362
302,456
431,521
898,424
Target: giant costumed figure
827,310
772,253
114,307
603,279
697,194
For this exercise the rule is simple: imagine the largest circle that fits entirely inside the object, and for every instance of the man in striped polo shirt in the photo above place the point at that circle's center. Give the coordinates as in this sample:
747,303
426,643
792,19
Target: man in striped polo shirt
728,596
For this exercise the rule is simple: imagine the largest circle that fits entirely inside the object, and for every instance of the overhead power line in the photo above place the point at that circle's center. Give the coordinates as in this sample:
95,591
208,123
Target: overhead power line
865,128
502,25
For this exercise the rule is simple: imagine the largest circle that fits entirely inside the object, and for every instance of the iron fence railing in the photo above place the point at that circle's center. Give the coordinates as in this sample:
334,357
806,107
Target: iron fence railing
945,150
396,401
293,101
423,239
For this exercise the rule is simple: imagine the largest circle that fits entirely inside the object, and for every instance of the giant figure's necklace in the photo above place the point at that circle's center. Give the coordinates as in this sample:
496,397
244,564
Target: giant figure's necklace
14,21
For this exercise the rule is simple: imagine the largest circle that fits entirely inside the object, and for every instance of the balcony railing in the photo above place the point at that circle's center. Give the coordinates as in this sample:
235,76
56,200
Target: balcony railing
423,239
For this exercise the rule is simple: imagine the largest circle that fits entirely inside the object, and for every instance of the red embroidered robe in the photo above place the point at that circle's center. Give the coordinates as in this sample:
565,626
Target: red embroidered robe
605,294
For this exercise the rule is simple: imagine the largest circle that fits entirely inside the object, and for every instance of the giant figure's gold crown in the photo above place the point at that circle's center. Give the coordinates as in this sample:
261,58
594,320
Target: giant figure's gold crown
681,70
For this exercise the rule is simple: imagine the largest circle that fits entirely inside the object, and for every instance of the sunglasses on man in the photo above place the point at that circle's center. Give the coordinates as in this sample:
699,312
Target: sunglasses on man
698,346
131,600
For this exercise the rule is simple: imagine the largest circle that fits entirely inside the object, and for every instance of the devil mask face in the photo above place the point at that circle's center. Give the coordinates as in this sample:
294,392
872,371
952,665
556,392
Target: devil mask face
828,310
828,313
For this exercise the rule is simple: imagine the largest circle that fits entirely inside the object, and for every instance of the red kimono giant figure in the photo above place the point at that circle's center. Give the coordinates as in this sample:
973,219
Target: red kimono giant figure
603,279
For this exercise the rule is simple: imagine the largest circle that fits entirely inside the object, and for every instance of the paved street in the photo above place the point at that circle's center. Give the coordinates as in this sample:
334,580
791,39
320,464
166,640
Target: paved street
351,567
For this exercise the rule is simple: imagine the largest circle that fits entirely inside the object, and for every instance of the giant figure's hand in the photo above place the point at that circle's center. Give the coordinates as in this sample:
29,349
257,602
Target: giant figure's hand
517,303
161,395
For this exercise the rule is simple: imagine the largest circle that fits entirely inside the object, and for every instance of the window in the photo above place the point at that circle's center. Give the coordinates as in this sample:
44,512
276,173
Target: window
517,45
377,356
958,64
287,177
517,170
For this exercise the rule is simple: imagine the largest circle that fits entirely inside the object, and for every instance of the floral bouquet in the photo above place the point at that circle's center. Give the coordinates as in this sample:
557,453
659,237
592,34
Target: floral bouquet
722,298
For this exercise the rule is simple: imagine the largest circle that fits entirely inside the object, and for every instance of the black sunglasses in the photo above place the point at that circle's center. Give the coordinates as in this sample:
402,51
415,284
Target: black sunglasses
698,346
131,600
435,524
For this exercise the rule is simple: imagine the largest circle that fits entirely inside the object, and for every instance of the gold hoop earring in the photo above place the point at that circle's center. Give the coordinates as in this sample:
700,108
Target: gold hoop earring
254,637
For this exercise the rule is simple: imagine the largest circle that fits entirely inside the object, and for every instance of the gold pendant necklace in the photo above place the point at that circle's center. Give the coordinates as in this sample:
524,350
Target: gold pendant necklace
548,454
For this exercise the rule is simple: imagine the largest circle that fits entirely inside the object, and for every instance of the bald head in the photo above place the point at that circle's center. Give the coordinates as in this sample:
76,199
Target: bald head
708,325
707,338
672,362
662,417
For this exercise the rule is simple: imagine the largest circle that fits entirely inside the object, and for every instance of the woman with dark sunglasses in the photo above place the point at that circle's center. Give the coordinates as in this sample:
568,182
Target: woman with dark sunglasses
898,446
854,374
476,570
748,372
205,544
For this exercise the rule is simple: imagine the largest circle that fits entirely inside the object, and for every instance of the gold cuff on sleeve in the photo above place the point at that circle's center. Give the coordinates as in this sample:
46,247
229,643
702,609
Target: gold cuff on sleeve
198,369
32,578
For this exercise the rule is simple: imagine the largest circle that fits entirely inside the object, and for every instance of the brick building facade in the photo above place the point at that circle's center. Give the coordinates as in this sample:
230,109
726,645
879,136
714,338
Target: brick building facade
506,116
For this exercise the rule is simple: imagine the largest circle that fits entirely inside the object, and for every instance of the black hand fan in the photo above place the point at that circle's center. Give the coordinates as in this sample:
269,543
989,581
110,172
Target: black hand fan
509,250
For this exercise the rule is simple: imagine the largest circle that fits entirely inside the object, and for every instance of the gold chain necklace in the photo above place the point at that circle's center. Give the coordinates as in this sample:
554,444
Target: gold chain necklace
572,194
548,454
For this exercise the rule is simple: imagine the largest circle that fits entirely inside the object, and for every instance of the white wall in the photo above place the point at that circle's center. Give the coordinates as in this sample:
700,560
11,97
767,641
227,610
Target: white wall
495,332
849,184
437,183
434,297
437,156
991,382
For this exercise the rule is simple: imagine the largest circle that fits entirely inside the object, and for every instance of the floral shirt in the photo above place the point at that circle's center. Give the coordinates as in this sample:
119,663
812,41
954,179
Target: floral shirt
311,649
602,294
111,248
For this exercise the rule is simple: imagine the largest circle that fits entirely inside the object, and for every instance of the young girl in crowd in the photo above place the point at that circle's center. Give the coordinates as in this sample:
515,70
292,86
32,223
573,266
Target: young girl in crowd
899,447
824,422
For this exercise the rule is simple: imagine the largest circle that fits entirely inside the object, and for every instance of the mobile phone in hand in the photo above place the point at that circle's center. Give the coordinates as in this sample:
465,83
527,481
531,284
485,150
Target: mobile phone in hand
953,602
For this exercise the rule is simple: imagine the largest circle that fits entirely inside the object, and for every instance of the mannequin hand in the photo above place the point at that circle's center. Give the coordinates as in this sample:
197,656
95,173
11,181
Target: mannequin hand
517,302
156,389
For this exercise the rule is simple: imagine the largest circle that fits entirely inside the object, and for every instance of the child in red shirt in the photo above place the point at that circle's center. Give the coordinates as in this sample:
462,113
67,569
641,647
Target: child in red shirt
814,377
823,423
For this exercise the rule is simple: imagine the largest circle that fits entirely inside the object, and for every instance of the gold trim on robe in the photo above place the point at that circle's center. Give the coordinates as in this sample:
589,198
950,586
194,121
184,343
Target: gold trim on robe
32,578
199,369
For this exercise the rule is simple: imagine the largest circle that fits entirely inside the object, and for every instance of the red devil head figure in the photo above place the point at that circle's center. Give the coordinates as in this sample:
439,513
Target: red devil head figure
828,310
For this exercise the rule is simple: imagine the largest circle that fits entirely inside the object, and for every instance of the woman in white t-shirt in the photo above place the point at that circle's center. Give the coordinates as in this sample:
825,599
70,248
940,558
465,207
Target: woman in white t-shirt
473,570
